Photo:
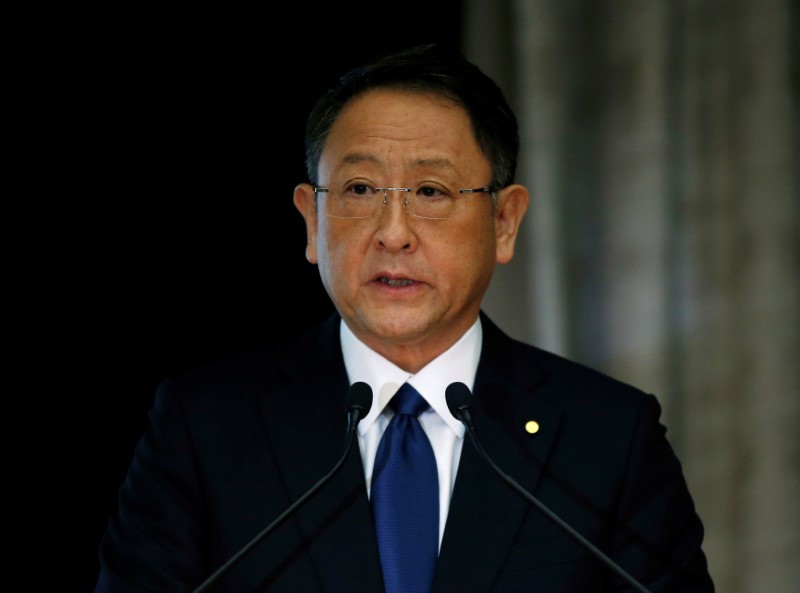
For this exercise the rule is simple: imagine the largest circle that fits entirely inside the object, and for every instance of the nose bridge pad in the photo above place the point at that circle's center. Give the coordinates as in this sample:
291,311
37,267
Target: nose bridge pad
404,201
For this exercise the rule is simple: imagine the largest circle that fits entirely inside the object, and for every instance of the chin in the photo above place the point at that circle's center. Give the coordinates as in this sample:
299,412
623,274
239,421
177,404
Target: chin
395,326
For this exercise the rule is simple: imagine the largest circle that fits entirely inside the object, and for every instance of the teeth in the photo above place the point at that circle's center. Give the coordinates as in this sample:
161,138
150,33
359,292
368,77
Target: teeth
396,282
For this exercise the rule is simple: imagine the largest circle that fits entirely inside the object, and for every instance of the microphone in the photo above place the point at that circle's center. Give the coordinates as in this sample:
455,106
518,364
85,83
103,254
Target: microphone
459,399
359,402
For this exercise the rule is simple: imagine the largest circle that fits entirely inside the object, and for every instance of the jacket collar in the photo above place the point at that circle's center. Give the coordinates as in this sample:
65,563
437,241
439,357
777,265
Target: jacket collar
307,424
485,513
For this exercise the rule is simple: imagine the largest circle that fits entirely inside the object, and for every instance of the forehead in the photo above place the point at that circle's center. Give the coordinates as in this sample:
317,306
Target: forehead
398,131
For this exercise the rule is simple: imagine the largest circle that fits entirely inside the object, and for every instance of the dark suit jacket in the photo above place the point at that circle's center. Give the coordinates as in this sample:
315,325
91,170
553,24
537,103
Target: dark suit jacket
229,448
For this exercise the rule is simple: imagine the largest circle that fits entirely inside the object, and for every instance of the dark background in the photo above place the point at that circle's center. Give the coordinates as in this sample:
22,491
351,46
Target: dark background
184,136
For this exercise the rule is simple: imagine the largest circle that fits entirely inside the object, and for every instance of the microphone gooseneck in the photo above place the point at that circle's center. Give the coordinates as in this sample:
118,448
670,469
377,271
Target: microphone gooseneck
358,401
459,402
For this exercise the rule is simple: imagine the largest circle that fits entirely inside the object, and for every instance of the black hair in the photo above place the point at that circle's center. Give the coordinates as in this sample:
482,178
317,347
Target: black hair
428,68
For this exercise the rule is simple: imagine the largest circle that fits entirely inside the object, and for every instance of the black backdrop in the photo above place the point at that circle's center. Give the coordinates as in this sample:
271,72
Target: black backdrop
183,245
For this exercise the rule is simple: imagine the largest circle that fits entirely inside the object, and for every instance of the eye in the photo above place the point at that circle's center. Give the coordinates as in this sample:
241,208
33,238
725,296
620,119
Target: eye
360,189
430,193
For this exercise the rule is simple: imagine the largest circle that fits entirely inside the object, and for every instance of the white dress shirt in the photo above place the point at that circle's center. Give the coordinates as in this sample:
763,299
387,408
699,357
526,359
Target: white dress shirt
445,432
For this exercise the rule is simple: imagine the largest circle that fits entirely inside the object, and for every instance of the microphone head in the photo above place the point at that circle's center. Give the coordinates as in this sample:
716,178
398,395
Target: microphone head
458,398
359,396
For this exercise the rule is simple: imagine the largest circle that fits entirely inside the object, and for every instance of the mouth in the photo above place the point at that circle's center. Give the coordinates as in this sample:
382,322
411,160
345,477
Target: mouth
395,282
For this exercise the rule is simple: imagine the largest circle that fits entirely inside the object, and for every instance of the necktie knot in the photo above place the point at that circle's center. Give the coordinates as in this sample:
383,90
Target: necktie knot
408,401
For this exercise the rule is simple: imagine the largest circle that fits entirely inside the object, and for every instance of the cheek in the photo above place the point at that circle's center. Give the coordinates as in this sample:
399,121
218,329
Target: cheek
463,255
337,256
476,240
333,243
475,250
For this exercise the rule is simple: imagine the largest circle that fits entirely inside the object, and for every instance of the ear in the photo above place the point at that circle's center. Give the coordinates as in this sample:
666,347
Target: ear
306,203
512,202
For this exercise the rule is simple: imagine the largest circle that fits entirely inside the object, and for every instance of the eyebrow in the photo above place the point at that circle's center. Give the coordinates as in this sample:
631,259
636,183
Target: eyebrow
355,158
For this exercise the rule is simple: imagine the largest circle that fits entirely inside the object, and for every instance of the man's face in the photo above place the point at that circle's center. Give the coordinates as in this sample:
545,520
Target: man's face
408,287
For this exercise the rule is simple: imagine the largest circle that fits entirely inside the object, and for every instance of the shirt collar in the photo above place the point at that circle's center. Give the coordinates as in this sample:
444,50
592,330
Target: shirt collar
458,363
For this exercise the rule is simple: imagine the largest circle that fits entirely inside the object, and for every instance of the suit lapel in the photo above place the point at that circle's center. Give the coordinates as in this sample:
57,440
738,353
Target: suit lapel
485,511
307,427
306,422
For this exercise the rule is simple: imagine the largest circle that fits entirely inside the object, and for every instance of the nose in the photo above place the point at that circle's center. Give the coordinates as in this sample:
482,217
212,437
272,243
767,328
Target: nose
394,232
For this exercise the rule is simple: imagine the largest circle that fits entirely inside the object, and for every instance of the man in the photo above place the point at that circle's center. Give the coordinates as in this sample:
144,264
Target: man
410,205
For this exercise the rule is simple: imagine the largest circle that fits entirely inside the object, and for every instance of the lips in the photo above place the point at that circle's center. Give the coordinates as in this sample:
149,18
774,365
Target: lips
395,282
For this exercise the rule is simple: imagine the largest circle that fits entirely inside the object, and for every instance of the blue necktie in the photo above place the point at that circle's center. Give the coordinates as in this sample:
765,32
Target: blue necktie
405,498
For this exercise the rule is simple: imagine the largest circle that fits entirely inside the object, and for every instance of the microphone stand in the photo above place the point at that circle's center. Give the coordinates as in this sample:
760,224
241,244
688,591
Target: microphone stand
355,412
459,395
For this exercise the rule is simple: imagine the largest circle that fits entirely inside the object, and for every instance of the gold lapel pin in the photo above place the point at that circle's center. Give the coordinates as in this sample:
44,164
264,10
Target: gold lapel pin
531,427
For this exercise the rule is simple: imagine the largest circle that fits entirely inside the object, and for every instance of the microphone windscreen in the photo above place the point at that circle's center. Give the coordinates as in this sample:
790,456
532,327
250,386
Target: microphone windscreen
359,396
458,396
